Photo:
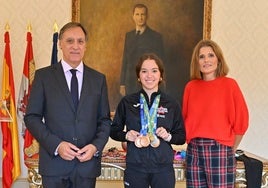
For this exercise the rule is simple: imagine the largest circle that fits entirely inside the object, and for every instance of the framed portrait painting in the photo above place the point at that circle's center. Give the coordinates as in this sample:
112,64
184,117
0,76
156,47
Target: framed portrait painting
182,23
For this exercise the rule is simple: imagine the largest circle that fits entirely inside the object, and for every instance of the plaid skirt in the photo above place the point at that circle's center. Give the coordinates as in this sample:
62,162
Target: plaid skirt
209,164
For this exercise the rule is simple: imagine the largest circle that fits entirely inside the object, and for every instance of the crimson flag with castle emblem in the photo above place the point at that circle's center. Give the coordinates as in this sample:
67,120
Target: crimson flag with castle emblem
31,147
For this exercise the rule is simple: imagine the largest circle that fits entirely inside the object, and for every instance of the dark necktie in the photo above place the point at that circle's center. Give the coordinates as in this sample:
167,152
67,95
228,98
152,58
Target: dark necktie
74,88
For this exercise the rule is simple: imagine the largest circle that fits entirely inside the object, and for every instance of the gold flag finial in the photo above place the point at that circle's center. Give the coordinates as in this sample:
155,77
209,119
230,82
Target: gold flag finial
29,27
7,27
55,27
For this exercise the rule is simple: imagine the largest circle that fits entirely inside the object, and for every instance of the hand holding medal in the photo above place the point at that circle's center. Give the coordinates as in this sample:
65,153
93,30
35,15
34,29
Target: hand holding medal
163,133
132,135
139,139
146,140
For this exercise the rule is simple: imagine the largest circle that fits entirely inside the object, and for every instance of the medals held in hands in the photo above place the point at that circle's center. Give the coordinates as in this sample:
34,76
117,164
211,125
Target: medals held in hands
142,141
148,123
146,140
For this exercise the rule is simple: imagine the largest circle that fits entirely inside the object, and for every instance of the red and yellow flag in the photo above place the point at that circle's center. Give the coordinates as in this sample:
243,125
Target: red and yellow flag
30,145
11,155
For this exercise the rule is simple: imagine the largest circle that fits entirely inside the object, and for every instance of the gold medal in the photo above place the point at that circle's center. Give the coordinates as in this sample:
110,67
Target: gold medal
138,142
151,137
145,141
156,142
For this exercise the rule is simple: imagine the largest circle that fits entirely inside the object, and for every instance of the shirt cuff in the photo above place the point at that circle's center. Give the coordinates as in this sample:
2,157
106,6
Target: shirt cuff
168,138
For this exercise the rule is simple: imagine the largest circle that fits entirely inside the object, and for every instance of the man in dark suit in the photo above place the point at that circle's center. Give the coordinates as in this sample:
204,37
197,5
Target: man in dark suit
71,138
137,42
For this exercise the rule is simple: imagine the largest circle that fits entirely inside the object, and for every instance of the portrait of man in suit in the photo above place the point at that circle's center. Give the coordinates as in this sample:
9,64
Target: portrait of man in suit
110,23
138,41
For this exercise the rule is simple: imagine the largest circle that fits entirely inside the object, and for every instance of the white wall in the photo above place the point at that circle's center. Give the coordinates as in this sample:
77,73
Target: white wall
239,27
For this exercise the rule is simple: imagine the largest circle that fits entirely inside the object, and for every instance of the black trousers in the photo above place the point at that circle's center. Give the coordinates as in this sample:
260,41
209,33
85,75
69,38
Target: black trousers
73,180
135,179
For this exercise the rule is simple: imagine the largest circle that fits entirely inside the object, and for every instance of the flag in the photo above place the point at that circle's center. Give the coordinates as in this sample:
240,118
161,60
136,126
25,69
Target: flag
11,155
30,148
4,113
54,56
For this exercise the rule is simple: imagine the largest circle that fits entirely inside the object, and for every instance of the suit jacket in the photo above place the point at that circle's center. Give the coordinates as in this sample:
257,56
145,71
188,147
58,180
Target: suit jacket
135,46
51,118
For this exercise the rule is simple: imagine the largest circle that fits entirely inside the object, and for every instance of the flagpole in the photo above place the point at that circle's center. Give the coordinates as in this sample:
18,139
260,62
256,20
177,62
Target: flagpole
29,27
7,27
55,27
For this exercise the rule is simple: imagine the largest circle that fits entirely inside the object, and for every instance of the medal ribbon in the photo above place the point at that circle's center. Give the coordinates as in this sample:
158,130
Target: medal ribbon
148,117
